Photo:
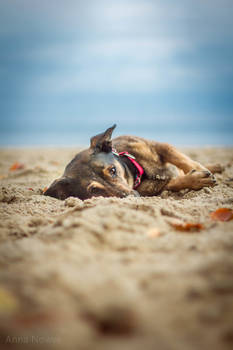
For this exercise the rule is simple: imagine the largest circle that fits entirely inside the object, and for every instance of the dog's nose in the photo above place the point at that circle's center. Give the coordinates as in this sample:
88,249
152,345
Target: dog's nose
55,192
51,192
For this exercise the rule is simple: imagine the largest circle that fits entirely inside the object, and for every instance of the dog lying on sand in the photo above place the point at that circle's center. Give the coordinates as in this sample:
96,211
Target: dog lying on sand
129,165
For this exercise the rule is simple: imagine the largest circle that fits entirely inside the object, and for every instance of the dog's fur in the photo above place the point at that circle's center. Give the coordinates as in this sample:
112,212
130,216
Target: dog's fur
96,171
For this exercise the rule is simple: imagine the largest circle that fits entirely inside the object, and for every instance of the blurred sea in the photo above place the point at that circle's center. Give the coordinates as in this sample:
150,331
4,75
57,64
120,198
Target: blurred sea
62,132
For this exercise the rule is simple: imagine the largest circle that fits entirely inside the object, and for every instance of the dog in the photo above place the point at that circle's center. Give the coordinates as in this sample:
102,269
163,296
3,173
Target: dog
129,165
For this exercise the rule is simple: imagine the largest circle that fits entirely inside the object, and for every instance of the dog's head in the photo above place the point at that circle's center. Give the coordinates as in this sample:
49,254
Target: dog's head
93,172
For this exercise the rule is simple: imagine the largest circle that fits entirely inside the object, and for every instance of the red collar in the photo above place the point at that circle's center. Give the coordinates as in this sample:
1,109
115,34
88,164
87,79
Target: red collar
140,170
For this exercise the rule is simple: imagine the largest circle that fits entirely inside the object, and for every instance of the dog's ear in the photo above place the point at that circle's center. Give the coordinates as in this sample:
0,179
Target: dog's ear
102,142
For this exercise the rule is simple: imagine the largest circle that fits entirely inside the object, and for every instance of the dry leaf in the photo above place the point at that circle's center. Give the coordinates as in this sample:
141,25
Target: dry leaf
17,166
154,232
222,214
30,189
8,302
180,225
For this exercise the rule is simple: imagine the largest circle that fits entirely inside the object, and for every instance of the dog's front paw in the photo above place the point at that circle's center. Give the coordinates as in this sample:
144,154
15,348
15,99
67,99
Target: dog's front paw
200,179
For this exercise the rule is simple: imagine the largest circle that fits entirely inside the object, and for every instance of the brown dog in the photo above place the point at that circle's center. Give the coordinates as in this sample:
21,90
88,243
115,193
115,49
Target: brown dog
129,165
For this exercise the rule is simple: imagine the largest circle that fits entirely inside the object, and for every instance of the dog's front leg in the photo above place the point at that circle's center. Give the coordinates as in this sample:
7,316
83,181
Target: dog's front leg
170,154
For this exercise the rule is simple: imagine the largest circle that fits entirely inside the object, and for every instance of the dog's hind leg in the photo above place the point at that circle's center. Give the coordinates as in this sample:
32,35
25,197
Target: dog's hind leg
170,154
195,177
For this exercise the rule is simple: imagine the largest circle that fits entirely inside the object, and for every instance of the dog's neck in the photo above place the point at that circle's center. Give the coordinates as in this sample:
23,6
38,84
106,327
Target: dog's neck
130,170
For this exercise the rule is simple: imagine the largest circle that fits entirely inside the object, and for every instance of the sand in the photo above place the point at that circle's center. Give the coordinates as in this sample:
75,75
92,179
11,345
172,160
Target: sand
111,273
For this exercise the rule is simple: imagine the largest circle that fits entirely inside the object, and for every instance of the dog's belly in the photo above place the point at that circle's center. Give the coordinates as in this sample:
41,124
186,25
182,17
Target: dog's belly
154,184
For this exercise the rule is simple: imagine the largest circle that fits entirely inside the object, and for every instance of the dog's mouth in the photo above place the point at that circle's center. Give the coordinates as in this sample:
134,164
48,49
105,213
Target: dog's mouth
94,191
118,189
66,186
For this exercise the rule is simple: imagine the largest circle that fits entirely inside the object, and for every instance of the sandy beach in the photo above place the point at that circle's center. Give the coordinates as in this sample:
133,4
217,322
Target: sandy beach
110,273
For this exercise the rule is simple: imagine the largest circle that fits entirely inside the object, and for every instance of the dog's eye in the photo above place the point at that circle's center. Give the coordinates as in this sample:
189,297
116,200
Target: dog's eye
113,171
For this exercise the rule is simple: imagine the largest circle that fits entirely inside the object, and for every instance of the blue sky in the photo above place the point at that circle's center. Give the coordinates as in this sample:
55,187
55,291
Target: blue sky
159,69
